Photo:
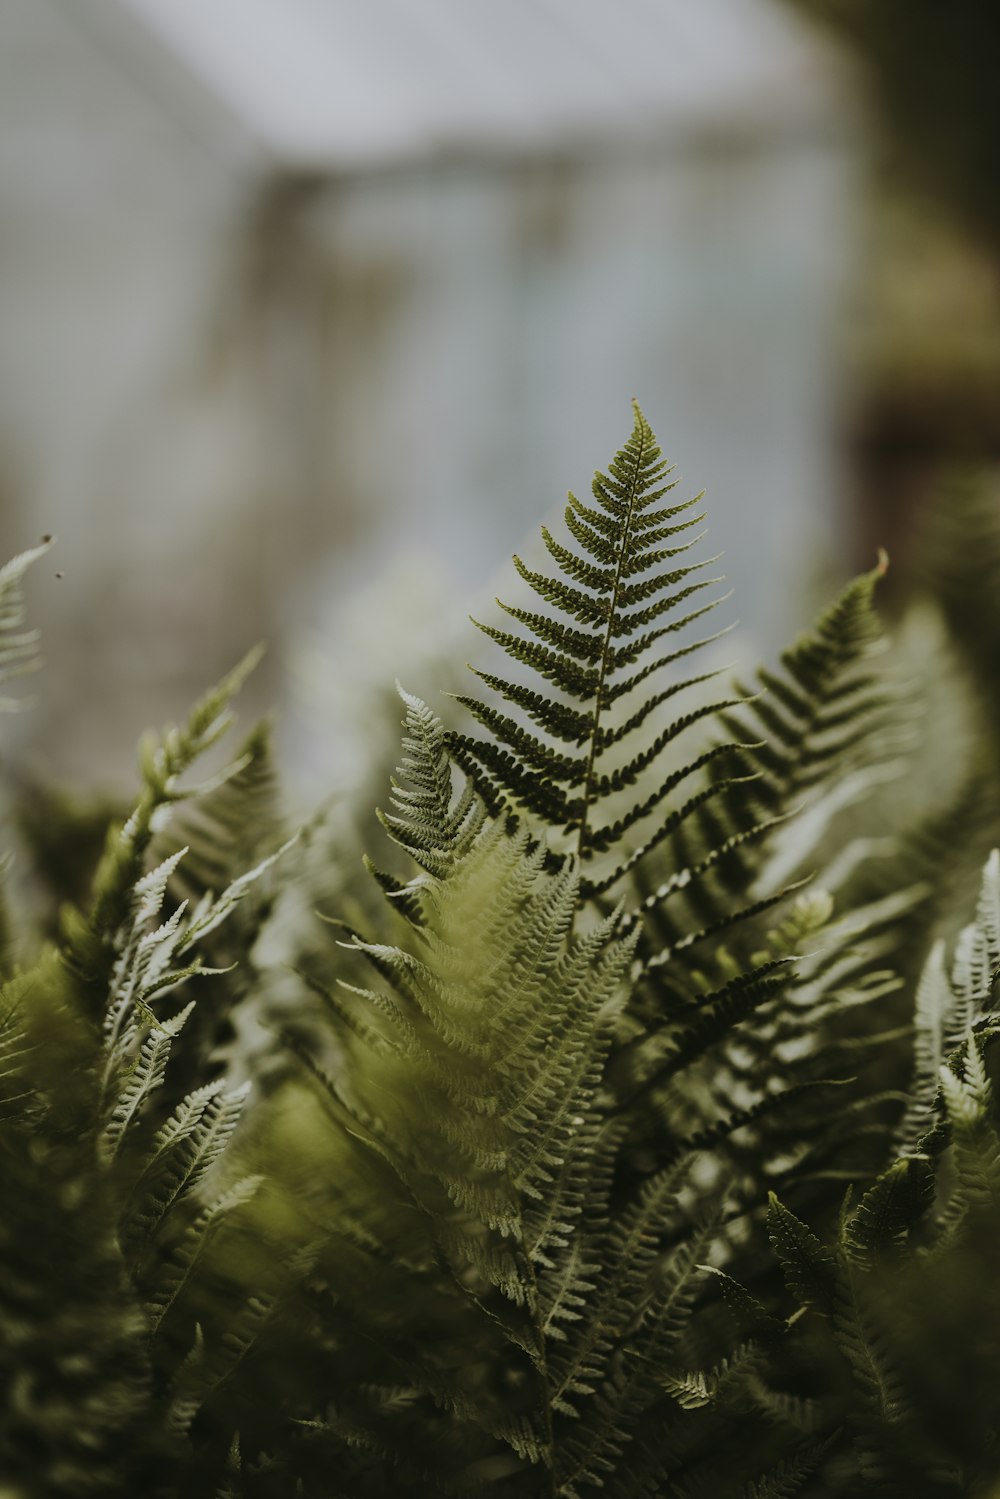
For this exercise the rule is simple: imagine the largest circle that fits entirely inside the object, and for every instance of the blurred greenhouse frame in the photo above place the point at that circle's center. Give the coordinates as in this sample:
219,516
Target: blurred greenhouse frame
295,292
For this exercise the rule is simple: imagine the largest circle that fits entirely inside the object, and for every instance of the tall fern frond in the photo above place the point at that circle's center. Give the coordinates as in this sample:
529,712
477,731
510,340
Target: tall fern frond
628,584
817,734
712,839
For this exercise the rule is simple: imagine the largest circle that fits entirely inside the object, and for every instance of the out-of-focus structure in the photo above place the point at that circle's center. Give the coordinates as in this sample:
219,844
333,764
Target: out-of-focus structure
925,347
292,288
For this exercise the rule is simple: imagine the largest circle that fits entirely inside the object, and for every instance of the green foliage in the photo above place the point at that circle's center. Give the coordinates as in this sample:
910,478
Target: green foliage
633,591
571,1158
114,1168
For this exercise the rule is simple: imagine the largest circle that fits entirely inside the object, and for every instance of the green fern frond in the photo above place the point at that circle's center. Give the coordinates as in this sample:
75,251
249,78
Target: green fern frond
93,941
880,1225
17,1087
790,1476
808,1266
18,647
433,829
208,1366
137,1042
183,1150
140,1076
74,1336
814,735
950,1010
691,830
866,1344
164,1286
617,585
230,829
832,704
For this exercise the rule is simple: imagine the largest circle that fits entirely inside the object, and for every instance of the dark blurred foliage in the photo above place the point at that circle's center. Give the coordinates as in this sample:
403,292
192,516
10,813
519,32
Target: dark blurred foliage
63,836
933,70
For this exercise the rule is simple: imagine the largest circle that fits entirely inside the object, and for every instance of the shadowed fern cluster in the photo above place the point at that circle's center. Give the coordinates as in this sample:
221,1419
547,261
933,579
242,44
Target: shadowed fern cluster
112,1171
593,1145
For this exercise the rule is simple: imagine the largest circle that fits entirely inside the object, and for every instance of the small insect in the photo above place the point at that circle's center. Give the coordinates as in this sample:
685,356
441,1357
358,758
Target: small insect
60,575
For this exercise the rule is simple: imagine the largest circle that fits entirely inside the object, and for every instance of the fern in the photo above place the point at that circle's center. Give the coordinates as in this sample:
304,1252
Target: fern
472,1078
870,1287
92,1033
631,589
824,730
549,1204
18,647
711,842
830,708
93,941
474,1083
591,1288
952,1010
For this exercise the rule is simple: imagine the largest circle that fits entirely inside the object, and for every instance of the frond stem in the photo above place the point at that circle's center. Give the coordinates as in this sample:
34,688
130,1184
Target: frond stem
588,781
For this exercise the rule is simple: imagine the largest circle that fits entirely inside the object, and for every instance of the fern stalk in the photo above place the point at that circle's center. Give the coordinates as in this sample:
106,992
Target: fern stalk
636,444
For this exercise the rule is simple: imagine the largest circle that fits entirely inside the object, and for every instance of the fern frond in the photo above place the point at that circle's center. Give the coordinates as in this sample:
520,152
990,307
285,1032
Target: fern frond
950,1009
143,1076
477,1089
19,653
211,912
581,1361
93,942
17,1087
206,1367
183,1151
623,1392
232,827
808,1267
833,706
170,1279
866,1345
617,540
789,1476
425,821
879,1226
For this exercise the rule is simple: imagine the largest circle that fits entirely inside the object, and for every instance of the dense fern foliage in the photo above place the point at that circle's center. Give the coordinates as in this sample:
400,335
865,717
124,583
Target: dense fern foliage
628,1129
112,1170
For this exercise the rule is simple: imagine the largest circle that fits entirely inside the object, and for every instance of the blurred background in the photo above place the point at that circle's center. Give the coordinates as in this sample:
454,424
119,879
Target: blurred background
312,310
